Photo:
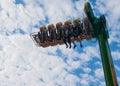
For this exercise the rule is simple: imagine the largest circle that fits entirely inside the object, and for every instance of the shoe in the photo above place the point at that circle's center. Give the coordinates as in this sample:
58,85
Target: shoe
81,46
74,46
67,46
70,46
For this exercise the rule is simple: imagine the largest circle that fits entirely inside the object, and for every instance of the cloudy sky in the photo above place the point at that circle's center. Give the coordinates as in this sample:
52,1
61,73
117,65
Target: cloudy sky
24,64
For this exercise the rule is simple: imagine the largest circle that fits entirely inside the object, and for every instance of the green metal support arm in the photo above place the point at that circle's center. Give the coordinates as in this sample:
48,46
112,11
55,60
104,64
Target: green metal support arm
100,32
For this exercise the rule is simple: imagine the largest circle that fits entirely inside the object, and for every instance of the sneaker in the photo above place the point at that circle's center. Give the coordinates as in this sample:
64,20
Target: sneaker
74,46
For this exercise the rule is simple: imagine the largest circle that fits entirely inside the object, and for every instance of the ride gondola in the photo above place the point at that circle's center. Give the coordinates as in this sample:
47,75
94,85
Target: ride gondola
53,35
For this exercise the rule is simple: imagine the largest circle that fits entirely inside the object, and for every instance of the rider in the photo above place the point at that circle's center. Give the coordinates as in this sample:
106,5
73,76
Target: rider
59,30
67,34
87,26
44,34
52,32
77,28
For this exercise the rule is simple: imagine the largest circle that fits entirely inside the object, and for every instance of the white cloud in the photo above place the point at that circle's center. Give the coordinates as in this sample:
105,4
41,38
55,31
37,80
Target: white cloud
87,70
117,67
25,62
88,80
99,73
116,55
59,10
91,51
16,16
118,80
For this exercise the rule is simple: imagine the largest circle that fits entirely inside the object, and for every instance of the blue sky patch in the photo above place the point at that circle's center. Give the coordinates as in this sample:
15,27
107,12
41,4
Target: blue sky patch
20,2
18,31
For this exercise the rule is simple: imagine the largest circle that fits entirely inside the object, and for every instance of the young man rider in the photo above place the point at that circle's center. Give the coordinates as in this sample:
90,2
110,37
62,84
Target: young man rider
77,29
68,34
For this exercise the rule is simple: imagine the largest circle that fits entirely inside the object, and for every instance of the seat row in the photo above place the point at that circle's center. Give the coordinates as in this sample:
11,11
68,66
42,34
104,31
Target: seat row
63,33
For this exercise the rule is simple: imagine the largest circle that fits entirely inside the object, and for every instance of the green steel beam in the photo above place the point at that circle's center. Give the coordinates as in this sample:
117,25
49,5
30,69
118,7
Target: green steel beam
107,61
101,34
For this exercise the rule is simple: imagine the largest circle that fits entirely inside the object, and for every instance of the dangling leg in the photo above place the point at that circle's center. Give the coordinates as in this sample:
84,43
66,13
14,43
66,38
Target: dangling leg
81,44
74,44
80,40
69,41
64,40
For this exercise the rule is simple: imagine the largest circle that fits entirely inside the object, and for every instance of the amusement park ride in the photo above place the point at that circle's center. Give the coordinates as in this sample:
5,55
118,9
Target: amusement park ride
90,27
